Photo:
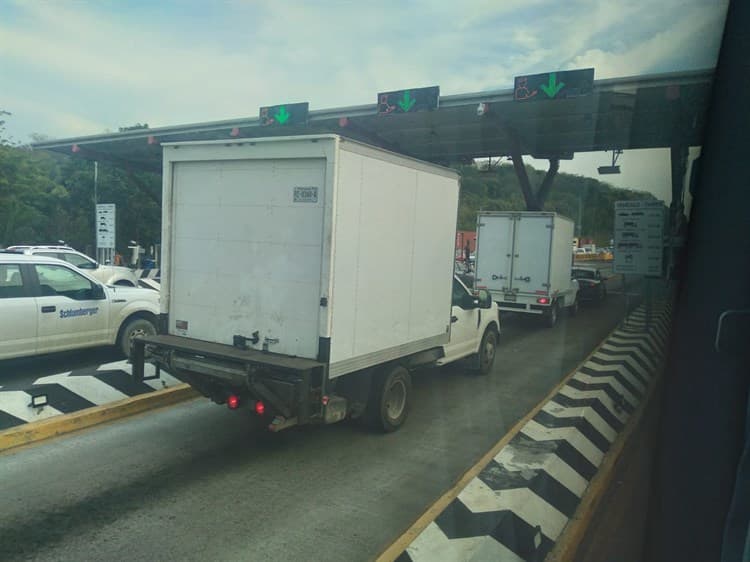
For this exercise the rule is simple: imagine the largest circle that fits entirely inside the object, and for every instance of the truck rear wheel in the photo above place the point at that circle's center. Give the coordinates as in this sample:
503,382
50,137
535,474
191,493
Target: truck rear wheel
573,308
389,400
134,328
550,318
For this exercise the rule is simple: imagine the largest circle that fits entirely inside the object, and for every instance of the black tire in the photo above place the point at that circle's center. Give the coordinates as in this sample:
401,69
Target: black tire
133,328
389,400
487,351
550,318
573,309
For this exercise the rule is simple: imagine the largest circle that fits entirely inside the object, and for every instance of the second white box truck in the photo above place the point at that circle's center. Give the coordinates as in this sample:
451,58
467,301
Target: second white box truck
304,277
524,259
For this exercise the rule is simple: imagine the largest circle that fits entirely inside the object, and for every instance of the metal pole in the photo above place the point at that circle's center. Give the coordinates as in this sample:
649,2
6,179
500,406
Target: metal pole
96,201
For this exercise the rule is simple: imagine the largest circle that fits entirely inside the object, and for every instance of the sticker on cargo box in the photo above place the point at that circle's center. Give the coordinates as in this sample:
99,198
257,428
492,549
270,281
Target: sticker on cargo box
181,324
305,194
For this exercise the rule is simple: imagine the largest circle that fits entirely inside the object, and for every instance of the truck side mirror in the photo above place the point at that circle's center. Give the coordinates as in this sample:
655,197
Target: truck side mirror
97,292
485,298
469,302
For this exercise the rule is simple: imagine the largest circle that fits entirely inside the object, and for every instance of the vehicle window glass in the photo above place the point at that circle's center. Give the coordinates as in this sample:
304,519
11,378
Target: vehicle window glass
459,293
11,282
57,280
78,261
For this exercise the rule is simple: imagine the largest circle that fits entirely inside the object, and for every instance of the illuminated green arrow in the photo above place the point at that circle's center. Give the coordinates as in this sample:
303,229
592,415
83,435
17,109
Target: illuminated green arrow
551,88
407,102
282,116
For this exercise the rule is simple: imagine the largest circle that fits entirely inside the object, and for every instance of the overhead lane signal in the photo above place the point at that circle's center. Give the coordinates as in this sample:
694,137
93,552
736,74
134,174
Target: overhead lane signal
409,101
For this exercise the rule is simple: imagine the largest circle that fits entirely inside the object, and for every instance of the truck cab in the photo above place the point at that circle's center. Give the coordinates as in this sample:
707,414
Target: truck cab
475,328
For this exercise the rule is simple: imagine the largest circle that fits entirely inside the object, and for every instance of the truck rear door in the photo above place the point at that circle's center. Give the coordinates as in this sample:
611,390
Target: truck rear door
246,252
531,261
494,252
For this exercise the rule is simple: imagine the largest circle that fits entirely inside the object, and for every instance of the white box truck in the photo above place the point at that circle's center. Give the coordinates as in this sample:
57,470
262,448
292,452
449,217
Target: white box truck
305,276
524,260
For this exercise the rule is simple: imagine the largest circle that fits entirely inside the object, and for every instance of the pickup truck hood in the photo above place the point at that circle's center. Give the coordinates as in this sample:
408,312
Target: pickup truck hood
135,294
115,269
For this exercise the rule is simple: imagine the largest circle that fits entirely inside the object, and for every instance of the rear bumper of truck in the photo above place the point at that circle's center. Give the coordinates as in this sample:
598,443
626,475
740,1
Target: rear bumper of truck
521,303
286,384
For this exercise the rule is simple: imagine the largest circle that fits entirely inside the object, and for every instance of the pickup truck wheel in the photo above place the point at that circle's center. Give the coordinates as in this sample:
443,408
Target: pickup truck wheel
135,327
573,309
550,318
487,351
389,400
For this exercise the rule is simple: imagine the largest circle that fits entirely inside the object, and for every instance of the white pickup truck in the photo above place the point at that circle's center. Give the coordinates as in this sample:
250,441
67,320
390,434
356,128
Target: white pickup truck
48,305
294,310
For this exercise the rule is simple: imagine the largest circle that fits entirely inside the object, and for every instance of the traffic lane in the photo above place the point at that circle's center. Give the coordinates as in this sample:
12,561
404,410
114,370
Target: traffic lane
197,481
19,374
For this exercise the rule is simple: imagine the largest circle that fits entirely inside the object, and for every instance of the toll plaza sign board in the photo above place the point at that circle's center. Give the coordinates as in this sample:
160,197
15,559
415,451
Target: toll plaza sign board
554,85
639,237
105,226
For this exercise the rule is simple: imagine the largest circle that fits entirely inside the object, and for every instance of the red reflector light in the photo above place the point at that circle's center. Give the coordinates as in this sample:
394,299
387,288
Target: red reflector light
542,300
233,402
260,408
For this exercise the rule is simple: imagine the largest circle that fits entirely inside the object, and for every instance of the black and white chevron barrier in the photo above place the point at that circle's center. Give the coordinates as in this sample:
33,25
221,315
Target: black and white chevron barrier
75,390
519,504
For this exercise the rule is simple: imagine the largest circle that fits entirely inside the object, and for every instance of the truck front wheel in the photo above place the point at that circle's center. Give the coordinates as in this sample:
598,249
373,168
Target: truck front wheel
487,351
389,400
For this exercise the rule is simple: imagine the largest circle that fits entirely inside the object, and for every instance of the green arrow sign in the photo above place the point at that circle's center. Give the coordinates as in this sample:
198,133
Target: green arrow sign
552,87
288,114
282,115
406,103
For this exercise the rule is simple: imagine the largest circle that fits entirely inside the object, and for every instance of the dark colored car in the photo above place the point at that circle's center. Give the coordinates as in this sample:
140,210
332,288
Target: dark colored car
591,284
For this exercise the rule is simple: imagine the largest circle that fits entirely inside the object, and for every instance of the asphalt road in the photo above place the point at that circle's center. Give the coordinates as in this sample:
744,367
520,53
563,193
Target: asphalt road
199,482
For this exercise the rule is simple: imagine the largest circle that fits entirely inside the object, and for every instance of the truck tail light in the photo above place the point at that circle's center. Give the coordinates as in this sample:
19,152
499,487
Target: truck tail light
233,402
543,300
260,408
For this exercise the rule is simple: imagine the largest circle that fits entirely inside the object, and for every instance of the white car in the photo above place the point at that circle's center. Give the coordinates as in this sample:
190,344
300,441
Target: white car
48,305
107,274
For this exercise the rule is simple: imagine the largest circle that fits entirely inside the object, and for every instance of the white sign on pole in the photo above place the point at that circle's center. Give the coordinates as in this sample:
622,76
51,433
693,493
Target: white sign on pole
639,237
105,226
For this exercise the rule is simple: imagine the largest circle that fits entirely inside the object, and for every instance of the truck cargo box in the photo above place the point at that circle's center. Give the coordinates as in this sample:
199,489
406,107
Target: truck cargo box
316,247
525,259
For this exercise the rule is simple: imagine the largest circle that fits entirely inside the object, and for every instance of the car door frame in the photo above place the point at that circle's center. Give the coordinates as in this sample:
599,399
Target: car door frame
463,341
99,336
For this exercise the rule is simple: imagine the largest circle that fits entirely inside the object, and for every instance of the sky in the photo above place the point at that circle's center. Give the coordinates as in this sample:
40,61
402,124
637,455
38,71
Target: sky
77,68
